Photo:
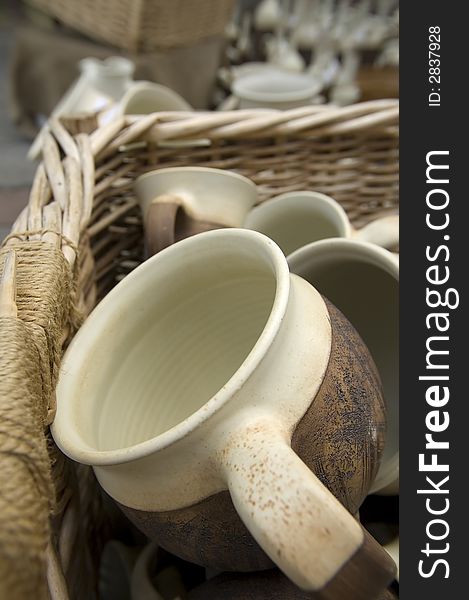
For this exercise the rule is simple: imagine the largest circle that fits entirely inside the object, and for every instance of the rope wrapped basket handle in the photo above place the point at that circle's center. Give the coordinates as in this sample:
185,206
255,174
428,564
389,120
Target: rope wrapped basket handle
79,234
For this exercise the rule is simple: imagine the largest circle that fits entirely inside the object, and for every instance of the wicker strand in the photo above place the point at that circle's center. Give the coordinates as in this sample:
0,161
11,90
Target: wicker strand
54,169
21,221
88,174
130,133
262,123
73,212
8,306
65,139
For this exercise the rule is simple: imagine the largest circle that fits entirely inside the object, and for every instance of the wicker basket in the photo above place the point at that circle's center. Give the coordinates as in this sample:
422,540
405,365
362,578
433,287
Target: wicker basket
81,233
142,25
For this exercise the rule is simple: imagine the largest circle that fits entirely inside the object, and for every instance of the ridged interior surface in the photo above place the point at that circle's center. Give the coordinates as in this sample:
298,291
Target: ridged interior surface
197,332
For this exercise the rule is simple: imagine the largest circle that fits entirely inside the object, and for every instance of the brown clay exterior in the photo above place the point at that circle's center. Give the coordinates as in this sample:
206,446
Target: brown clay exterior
340,437
266,585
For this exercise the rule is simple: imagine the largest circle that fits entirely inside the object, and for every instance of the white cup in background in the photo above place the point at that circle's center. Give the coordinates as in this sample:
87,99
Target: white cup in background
275,88
295,219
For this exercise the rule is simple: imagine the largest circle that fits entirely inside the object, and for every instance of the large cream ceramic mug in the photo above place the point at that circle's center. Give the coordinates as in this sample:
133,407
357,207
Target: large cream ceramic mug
362,280
275,89
295,219
179,202
189,382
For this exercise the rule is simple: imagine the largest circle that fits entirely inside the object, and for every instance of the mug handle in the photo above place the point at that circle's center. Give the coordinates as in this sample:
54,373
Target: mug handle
297,521
383,232
160,225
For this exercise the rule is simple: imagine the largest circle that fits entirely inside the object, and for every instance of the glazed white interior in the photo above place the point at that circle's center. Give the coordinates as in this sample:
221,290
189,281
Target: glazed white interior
367,294
294,221
184,333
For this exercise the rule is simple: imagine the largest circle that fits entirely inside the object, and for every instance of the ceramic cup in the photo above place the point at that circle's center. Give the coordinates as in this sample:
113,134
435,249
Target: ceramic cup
393,550
143,98
295,219
362,280
275,88
195,387
182,201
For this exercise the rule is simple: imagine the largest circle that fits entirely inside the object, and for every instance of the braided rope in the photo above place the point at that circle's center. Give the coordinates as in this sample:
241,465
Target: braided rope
28,372
24,235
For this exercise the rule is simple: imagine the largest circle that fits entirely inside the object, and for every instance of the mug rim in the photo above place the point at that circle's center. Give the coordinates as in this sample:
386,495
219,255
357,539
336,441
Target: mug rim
139,87
111,66
153,173
64,430
139,183
281,198
375,254
239,88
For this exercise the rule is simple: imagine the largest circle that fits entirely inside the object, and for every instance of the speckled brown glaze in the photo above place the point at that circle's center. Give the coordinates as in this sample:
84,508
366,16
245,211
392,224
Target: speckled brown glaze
340,438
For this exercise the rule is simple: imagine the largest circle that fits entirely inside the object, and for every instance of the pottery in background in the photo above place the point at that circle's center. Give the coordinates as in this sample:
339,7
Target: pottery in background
275,88
268,14
101,83
106,88
145,97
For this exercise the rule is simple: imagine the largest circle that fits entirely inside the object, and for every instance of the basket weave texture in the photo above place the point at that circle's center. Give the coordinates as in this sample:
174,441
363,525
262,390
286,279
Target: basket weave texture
142,25
80,234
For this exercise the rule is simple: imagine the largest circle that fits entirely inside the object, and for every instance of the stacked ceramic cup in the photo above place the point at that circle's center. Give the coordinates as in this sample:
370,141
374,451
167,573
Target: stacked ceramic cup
229,398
